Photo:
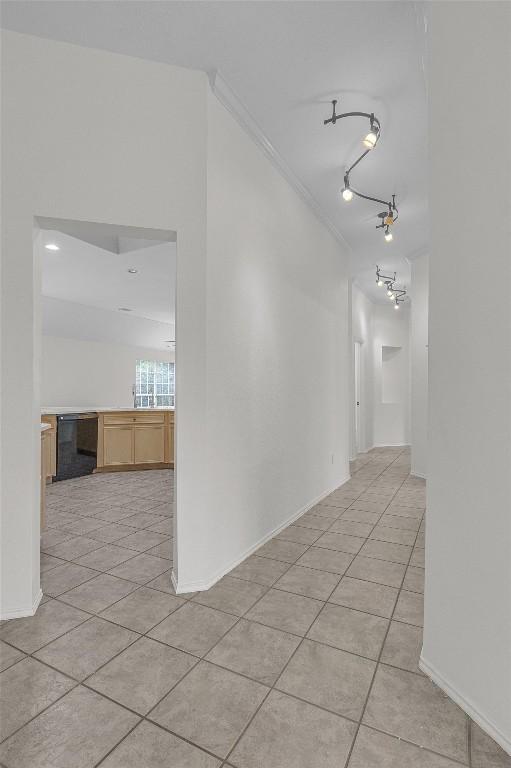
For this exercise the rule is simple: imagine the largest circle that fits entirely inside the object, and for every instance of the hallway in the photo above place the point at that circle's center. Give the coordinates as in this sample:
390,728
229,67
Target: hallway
305,656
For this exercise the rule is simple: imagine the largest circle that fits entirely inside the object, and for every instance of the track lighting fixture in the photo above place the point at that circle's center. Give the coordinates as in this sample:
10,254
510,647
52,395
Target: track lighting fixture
369,142
346,192
372,137
397,295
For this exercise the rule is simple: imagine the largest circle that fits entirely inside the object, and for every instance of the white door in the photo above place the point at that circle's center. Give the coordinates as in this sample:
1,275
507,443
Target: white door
358,436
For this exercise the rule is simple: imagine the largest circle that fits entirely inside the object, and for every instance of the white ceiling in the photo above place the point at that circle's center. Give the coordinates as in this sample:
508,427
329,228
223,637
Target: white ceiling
86,274
68,320
86,282
286,61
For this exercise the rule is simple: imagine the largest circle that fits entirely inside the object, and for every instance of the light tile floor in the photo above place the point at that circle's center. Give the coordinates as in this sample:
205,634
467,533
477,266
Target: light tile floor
305,656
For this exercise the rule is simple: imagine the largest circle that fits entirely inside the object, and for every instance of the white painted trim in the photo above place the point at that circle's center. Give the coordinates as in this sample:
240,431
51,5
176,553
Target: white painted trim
23,612
200,586
391,445
467,706
387,445
418,474
233,104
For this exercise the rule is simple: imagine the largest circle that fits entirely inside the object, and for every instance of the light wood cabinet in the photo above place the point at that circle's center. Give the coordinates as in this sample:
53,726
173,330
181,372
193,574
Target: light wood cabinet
45,453
135,440
171,458
50,447
118,446
149,443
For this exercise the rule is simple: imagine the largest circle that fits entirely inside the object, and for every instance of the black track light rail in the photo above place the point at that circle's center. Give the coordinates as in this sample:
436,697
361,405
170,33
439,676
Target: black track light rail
385,278
397,293
376,127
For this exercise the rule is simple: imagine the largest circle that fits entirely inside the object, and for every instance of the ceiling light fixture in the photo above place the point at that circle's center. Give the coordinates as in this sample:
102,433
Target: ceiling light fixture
346,192
372,137
382,279
52,247
388,236
124,309
133,271
397,295
369,142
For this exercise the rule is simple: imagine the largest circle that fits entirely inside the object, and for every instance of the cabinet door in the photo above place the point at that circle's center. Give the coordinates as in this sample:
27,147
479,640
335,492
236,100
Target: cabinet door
171,444
118,446
48,457
149,443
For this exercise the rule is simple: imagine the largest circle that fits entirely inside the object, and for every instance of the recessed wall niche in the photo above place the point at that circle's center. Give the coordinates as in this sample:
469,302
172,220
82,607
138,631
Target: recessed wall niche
392,374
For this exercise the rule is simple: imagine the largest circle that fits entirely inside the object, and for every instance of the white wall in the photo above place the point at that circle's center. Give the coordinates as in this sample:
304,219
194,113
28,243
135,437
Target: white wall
467,633
362,331
377,326
262,425
74,147
79,321
391,419
278,370
90,374
419,292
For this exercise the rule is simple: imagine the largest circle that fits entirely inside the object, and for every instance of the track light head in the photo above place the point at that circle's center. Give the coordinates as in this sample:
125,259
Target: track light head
370,140
347,194
388,235
374,134
396,305
379,283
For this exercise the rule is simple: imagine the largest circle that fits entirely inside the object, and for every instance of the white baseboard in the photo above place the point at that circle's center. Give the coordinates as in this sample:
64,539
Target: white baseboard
466,706
21,613
391,445
204,584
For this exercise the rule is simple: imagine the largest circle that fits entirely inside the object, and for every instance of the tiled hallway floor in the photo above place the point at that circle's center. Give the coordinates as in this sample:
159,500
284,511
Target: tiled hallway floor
305,656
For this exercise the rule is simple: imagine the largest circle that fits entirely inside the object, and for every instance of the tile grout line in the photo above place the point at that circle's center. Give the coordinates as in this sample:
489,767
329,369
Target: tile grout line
273,686
378,661
268,588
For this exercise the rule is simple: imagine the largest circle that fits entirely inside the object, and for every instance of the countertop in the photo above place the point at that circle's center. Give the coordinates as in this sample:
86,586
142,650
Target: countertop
57,410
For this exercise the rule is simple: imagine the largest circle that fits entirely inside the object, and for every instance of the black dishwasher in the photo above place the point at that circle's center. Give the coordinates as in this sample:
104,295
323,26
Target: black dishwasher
77,444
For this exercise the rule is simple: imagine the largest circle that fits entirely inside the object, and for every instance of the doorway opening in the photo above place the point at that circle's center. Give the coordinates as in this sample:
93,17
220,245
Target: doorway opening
106,346
357,390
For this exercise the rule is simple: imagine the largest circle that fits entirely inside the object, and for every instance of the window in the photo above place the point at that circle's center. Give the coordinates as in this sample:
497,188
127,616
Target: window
154,386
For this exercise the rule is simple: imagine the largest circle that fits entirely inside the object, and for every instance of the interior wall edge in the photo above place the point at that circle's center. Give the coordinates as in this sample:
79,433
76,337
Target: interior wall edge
465,704
21,613
204,584
233,104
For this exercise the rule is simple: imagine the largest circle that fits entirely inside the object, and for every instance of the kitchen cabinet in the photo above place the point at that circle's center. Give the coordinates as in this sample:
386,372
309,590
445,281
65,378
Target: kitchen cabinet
135,440
118,446
149,444
45,453
50,447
